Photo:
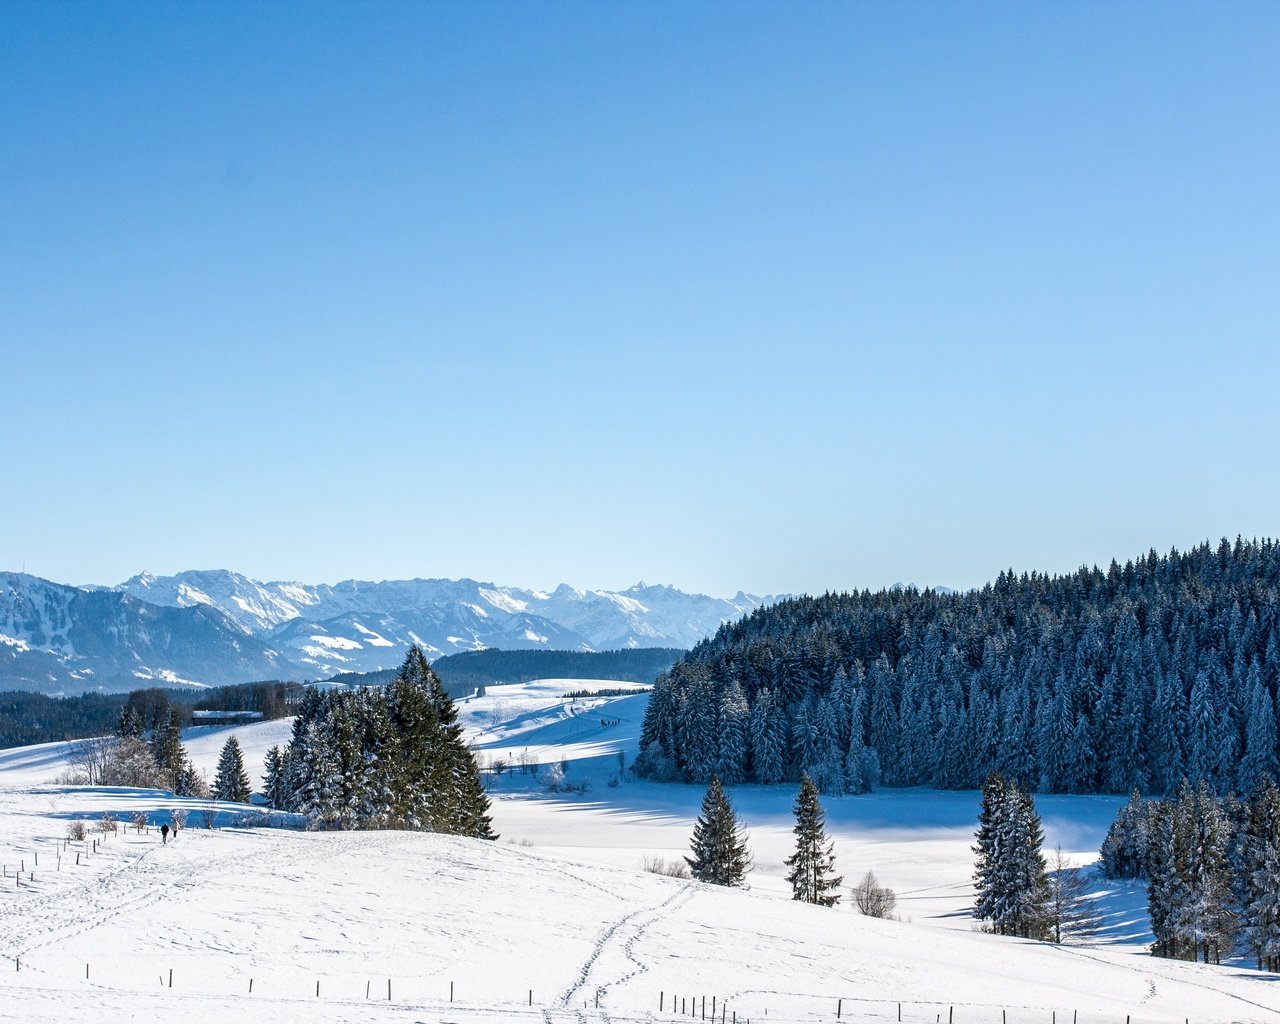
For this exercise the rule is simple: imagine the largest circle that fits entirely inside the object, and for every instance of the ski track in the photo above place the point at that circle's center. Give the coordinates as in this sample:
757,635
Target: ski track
606,938
1154,977
127,887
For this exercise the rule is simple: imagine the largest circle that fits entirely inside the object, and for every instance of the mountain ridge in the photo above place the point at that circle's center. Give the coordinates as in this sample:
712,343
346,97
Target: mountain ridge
212,627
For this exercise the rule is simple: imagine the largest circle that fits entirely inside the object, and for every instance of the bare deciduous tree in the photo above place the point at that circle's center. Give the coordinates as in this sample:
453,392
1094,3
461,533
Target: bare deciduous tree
873,899
1070,909
90,758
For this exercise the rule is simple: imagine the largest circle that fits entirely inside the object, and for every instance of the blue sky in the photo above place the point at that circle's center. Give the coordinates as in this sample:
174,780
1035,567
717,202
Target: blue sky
783,297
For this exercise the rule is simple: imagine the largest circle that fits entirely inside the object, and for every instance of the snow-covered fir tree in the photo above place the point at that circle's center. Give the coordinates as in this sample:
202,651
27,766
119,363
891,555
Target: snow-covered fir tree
1124,851
1012,889
719,845
276,779
232,781
1260,882
812,867
173,767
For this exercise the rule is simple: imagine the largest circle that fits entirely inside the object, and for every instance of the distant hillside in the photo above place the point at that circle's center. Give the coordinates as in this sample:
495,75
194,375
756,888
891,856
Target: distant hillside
1136,676
463,673
485,668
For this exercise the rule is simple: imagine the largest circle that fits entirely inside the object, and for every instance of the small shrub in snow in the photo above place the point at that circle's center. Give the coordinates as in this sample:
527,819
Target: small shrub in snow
873,899
77,830
662,866
553,778
108,823
139,820
208,815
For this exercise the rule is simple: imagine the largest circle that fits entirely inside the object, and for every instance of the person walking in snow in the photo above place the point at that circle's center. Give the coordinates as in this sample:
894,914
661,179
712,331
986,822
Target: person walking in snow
164,834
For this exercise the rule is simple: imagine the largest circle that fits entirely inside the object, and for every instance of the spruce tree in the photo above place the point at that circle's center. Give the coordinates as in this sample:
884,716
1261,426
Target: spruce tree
129,724
1125,850
720,854
231,781
275,779
170,756
812,865
1011,887
1260,903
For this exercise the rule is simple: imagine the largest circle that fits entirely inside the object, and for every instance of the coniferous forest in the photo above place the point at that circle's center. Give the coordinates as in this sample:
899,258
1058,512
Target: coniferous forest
1134,677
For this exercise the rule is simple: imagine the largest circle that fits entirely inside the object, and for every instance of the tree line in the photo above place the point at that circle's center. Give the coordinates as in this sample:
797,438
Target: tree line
27,718
1138,676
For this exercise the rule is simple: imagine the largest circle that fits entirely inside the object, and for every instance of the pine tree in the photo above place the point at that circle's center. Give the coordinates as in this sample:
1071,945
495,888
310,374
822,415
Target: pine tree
768,745
129,724
1164,890
1259,759
171,757
1260,903
434,779
1125,849
1012,890
719,846
275,779
231,781
812,864
731,765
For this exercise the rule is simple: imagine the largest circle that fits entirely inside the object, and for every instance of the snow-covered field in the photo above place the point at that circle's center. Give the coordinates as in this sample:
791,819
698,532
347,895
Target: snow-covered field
565,921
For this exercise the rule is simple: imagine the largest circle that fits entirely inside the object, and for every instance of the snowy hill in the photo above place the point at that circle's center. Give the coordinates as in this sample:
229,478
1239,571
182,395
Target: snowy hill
541,932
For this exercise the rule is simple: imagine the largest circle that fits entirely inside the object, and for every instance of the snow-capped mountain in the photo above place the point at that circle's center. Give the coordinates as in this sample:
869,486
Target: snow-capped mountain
217,626
257,607
358,625
57,638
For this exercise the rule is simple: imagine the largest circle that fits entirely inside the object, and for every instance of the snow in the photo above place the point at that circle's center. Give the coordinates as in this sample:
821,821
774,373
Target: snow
336,643
374,639
503,601
569,917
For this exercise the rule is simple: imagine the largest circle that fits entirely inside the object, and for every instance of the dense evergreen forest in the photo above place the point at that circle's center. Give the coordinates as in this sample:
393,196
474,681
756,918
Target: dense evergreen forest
1136,677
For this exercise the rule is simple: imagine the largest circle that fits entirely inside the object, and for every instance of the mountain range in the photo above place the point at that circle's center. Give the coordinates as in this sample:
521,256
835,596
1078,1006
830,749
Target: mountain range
217,627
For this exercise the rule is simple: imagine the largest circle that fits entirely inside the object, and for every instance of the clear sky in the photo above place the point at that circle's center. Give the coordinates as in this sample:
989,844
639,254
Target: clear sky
781,297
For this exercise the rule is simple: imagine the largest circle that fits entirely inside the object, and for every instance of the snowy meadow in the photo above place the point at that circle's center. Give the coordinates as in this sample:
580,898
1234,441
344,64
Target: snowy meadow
557,921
